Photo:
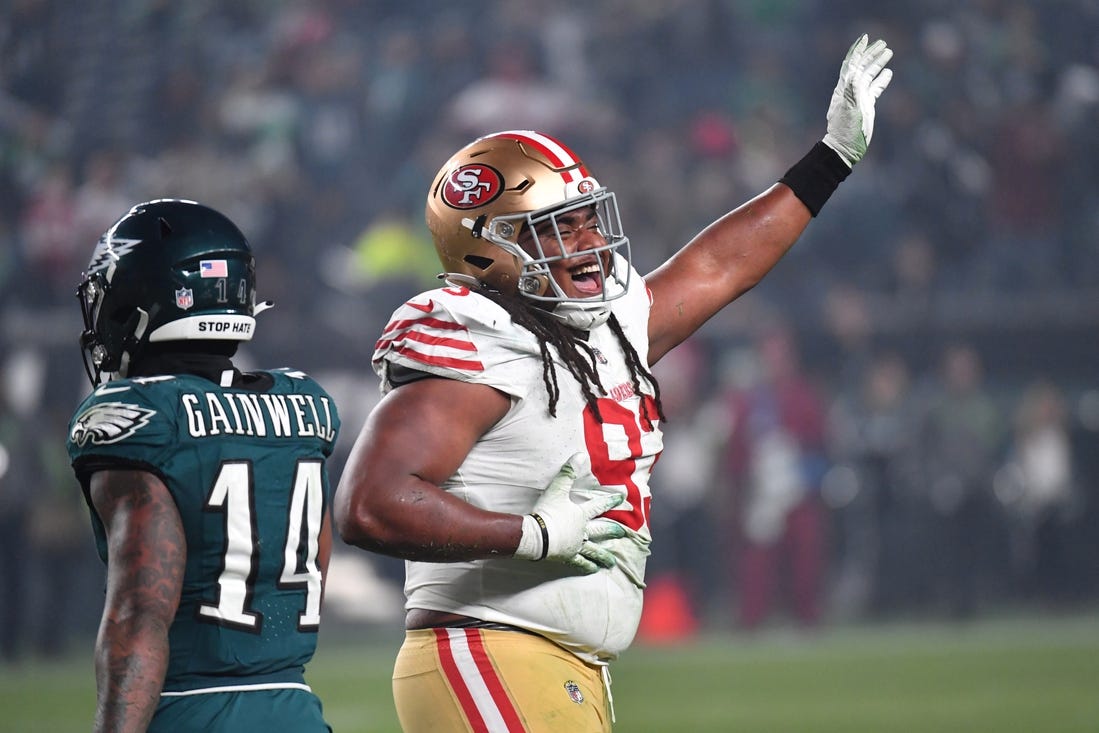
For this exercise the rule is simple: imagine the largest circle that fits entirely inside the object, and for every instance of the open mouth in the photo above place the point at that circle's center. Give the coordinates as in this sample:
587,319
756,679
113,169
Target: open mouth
587,279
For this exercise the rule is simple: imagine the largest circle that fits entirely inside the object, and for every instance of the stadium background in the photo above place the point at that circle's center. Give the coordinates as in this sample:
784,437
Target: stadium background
316,126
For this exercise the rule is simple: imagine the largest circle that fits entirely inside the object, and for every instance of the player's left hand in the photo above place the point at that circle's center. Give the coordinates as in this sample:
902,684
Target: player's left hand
566,531
863,77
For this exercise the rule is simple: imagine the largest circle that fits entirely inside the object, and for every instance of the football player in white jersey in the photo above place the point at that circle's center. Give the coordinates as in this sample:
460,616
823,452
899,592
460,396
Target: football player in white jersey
508,460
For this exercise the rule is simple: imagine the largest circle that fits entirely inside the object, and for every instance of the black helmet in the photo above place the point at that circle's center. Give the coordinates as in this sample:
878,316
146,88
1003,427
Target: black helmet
169,270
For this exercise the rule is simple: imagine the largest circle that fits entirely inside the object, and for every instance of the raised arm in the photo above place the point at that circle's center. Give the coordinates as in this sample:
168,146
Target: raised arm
147,554
721,263
732,255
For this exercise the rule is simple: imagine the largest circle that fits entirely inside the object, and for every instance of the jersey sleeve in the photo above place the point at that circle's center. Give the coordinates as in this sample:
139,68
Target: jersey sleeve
456,334
122,423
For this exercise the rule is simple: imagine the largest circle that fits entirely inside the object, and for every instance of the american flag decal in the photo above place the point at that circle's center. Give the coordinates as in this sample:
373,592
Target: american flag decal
213,268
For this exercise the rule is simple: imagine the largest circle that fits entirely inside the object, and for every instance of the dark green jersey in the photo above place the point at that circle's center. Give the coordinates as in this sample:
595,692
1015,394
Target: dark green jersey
246,467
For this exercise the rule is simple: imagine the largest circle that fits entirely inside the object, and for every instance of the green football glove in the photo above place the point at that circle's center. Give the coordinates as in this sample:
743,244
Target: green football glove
561,530
863,77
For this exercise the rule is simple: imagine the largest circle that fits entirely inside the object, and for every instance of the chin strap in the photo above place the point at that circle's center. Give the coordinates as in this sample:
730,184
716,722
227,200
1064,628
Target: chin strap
582,316
459,279
140,322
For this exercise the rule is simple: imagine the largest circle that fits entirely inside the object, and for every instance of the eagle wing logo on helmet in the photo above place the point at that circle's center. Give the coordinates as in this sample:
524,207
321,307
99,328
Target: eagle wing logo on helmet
109,250
109,422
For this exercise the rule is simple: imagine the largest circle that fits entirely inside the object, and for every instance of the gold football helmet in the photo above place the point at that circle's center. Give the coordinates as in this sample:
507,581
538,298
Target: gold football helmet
484,197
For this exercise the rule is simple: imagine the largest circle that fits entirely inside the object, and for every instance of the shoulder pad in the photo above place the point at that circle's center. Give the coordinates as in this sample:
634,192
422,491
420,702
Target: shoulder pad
122,414
451,332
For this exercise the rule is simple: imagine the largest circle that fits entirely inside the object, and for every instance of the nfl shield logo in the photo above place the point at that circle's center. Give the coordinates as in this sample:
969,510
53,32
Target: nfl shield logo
185,298
574,692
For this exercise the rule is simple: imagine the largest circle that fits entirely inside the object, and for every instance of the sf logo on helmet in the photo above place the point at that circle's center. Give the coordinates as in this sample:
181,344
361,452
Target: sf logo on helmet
471,186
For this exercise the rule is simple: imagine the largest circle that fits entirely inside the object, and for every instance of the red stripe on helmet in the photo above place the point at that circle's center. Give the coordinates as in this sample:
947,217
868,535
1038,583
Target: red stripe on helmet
558,154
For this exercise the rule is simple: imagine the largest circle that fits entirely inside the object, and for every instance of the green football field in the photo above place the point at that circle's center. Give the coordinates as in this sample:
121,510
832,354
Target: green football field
1035,675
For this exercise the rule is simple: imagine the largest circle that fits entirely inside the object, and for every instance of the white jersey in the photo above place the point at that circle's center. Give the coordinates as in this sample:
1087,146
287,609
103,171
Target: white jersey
453,333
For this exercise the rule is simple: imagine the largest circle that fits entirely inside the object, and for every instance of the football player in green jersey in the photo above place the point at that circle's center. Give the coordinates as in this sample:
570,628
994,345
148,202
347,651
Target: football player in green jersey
208,486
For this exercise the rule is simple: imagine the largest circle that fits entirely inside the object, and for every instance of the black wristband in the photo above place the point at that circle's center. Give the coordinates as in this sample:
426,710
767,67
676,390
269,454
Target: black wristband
545,535
816,176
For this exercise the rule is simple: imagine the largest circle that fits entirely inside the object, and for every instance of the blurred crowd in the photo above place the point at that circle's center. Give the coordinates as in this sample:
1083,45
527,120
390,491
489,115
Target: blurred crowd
899,420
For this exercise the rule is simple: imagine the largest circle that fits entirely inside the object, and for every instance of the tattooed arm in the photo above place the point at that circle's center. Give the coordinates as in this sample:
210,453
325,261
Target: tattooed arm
147,552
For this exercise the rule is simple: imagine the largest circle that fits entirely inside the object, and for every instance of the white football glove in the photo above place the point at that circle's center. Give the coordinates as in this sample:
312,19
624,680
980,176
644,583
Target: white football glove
561,530
863,77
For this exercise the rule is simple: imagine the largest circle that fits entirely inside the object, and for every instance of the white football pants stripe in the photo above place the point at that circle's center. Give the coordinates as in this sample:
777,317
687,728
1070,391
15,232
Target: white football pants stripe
478,688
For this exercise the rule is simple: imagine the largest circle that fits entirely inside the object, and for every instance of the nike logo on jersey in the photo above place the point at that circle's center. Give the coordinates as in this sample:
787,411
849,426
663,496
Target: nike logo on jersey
425,308
109,422
108,389
294,373
104,390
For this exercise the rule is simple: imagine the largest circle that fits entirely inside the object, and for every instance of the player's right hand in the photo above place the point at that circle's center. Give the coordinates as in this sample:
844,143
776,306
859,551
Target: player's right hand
559,529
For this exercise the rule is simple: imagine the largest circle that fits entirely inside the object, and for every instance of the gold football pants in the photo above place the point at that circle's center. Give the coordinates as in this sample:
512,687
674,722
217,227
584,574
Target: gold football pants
454,680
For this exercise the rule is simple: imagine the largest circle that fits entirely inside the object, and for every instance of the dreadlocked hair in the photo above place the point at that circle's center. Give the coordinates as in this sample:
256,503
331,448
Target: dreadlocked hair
578,356
638,370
